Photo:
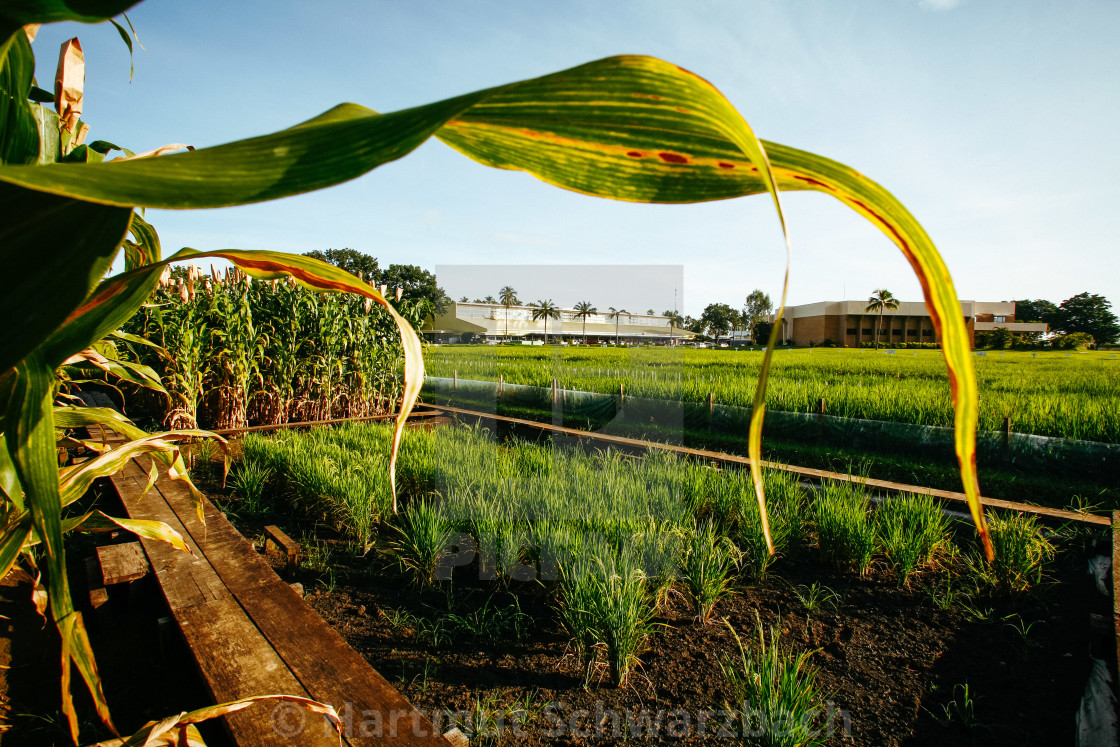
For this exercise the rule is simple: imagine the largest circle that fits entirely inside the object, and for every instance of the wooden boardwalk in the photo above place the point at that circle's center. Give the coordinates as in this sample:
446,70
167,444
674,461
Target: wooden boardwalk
251,634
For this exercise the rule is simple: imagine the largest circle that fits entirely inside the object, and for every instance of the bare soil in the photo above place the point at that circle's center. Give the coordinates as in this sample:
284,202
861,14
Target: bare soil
893,664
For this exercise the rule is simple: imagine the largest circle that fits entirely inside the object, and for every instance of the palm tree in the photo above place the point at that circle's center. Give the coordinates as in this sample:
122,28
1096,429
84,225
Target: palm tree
880,301
545,310
489,299
675,320
508,297
584,309
617,314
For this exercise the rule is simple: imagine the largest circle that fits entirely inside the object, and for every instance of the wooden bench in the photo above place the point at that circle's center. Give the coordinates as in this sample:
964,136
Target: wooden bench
252,634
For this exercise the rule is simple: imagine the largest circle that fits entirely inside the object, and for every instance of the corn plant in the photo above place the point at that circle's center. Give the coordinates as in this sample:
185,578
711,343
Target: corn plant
679,140
845,531
776,689
909,530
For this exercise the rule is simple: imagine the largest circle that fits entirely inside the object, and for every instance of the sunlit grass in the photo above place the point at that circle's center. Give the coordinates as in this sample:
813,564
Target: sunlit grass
1046,393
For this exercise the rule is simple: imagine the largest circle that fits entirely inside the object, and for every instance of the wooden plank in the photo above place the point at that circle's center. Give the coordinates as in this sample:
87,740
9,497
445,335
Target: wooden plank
284,543
122,563
238,662
233,657
947,496
329,669
186,580
314,423
98,596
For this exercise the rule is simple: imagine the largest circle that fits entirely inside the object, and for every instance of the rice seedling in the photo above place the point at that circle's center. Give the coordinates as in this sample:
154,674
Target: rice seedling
816,596
776,689
845,531
1021,554
786,504
425,537
910,529
316,554
945,596
961,709
432,632
709,560
1022,631
660,552
491,624
250,482
203,455
622,612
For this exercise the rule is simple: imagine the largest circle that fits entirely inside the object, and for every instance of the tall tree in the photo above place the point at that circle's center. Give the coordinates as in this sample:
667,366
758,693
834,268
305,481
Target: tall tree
545,310
675,320
617,315
1088,313
416,284
718,318
584,309
757,308
881,300
351,260
508,297
1037,310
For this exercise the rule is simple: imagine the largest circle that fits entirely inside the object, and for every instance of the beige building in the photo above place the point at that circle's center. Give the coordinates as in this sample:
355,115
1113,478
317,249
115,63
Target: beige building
848,324
491,322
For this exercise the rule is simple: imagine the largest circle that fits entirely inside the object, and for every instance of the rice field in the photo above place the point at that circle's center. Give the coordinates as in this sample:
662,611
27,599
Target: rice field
611,536
1046,393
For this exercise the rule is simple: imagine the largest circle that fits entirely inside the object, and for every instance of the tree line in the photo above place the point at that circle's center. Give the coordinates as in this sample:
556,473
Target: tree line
1085,313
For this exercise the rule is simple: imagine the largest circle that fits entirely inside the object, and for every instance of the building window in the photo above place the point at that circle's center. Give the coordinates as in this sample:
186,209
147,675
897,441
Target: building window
867,330
911,333
999,319
927,333
896,333
851,330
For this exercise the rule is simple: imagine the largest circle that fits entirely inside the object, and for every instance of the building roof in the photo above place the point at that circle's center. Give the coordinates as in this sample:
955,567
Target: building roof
493,319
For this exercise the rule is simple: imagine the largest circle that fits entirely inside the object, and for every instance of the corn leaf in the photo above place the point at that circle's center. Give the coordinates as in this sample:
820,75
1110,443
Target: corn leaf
19,130
164,732
74,481
83,240
9,479
630,128
12,542
14,15
30,439
800,170
99,521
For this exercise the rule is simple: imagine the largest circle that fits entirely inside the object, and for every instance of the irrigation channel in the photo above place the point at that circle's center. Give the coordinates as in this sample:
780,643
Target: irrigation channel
1058,472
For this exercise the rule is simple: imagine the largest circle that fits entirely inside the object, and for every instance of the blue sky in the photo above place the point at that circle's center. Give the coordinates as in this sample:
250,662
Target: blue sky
993,122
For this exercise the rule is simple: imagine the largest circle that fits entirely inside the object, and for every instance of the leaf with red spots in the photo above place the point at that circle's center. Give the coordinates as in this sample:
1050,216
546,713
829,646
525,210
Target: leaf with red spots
578,129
